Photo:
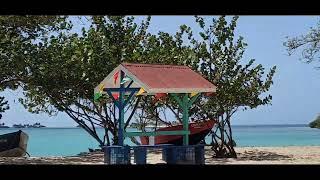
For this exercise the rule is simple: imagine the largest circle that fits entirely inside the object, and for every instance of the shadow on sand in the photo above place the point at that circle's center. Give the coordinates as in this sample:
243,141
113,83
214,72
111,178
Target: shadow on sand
252,155
262,156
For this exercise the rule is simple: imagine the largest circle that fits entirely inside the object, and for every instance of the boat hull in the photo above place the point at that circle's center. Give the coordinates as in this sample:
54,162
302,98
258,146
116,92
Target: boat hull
198,131
13,144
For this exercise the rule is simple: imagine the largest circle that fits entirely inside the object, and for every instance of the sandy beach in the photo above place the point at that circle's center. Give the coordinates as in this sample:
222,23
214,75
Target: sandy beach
246,155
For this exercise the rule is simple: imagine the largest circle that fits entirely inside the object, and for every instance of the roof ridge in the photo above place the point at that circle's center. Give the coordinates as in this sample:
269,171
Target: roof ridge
156,65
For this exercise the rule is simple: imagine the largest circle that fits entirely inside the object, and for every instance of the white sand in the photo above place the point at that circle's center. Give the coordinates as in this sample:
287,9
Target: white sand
246,155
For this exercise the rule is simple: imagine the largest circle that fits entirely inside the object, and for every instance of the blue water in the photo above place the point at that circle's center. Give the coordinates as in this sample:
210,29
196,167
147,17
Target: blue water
71,141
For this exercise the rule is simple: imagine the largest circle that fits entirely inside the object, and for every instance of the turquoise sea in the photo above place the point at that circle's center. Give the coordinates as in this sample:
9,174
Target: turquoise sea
71,141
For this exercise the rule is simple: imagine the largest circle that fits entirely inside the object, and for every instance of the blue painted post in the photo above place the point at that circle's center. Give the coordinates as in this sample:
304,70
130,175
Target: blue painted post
121,110
140,155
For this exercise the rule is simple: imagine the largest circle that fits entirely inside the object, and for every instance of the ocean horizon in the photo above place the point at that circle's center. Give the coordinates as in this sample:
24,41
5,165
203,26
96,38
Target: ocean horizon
70,141
237,125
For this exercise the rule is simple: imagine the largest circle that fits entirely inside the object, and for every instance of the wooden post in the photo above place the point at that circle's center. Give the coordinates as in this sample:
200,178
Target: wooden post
121,104
185,103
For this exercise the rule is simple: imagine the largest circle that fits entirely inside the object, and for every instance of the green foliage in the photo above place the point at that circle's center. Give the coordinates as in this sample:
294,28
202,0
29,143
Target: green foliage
239,83
315,123
58,73
16,36
65,69
3,106
218,56
308,44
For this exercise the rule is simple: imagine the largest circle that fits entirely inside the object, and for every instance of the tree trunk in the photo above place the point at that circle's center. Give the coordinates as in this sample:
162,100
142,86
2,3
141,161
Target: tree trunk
231,143
224,146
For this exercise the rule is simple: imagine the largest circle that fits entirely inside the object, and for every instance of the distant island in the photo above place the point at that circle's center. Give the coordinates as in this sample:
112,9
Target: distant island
315,123
149,125
2,125
35,125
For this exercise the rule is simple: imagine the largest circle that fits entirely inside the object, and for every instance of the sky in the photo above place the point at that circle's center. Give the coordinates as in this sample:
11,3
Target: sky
296,84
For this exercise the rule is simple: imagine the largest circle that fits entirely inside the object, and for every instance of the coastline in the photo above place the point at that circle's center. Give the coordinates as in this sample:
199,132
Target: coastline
246,155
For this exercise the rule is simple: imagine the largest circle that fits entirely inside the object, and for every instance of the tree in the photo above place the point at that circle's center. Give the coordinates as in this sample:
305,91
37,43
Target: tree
61,72
16,35
240,84
309,44
65,69
315,123
218,57
3,106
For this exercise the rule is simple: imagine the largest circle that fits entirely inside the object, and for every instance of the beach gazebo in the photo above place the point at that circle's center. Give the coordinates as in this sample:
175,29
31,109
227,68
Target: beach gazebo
179,82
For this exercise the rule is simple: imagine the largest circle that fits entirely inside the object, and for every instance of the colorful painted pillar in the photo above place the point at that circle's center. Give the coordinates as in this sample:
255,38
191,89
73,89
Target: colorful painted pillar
185,103
121,109
121,103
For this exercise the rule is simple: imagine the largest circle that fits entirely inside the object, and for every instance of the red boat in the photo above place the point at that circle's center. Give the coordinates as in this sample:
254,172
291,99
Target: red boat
198,131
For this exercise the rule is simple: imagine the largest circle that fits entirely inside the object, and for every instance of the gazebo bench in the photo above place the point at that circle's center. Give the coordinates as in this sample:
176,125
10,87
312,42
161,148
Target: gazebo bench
191,154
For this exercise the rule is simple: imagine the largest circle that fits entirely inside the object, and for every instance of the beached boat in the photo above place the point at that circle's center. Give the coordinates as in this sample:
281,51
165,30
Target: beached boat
198,131
13,144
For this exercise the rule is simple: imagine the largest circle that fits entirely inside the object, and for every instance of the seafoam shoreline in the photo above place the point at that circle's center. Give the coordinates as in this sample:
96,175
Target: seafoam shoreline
246,155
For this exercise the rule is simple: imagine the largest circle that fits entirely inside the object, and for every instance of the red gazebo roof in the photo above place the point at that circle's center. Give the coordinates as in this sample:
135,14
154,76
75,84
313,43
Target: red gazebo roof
162,78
